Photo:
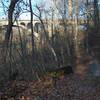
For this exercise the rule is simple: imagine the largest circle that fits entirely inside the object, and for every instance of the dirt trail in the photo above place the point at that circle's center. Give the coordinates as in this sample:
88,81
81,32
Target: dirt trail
86,63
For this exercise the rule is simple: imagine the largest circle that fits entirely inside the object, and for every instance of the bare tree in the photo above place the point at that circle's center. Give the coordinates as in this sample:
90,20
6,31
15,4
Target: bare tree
10,19
96,15
31,14
10,24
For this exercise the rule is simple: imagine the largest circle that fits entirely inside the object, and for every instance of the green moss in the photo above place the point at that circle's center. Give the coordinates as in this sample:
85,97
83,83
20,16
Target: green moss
55,74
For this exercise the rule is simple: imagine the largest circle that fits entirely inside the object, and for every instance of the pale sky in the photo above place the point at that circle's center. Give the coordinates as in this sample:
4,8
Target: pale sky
23,16
43,3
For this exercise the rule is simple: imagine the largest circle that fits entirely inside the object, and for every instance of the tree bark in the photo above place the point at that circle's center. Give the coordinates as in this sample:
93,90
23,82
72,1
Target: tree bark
9,26
96,16
10,19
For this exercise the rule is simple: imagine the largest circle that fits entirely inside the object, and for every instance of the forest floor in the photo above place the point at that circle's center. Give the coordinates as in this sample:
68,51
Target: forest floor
69,87
66,87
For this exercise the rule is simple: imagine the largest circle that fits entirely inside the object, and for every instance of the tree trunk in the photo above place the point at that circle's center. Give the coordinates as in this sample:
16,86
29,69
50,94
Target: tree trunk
9,27
96,16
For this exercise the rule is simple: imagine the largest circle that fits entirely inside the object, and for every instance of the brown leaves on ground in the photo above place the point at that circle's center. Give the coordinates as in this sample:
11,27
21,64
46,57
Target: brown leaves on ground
17,89
68,87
